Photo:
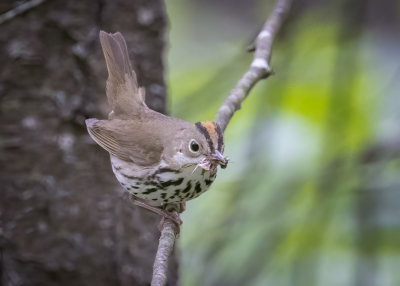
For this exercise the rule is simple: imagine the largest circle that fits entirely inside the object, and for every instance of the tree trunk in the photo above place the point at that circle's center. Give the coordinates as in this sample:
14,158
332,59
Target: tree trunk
63,219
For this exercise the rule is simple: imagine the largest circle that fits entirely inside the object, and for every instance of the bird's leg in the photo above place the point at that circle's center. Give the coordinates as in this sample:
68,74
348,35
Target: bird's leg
182,207
172,215
175,207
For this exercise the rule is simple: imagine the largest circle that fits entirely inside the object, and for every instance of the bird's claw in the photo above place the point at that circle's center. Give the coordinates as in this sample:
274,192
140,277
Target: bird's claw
174,217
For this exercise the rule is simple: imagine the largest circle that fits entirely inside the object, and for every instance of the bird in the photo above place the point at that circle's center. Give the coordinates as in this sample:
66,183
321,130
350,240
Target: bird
161,161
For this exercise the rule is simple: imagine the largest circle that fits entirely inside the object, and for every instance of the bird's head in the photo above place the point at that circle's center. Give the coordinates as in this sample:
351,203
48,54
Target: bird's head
203,146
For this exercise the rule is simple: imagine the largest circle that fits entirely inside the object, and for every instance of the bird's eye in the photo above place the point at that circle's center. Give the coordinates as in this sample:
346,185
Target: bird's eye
194,146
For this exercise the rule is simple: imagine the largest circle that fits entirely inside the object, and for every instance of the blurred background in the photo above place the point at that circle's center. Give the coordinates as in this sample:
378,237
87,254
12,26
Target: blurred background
312,192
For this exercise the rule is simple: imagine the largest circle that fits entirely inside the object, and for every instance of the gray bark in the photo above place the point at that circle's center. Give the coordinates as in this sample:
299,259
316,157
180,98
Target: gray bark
62,219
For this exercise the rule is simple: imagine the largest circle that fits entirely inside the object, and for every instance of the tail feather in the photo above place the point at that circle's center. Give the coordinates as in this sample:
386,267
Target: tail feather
122,89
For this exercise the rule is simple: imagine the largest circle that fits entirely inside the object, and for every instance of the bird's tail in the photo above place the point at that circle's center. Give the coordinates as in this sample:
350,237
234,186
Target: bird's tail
124,95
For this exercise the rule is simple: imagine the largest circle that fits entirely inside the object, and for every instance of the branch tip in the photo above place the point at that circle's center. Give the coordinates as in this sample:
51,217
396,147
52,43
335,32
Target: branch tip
259,67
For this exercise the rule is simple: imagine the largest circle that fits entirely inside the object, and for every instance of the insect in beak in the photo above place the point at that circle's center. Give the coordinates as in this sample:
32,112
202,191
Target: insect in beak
214,159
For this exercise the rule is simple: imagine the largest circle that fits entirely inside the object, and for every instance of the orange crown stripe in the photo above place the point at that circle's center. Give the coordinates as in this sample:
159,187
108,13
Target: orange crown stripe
210,127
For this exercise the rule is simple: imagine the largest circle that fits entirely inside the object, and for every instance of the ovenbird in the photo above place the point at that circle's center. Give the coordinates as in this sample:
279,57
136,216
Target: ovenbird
158,159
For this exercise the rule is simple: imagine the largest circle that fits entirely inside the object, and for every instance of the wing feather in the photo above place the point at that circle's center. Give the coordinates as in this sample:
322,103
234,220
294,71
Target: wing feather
113,136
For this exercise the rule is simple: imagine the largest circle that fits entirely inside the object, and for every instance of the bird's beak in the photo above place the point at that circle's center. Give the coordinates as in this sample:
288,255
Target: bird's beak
221,159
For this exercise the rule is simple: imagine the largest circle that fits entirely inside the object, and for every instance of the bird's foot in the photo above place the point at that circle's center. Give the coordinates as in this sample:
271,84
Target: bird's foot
174,217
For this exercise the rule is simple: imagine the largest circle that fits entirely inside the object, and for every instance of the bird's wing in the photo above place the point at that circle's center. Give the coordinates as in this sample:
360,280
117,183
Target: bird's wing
124,95
129,140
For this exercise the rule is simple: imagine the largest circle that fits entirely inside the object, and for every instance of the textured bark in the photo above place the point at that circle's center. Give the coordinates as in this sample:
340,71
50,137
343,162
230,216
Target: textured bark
62,219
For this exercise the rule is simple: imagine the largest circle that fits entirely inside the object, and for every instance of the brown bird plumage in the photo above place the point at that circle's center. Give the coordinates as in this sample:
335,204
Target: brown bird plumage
160,160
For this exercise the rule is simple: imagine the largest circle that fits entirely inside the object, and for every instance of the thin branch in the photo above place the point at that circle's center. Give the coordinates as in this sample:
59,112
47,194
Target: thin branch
259,68
166,245
169,233
19,10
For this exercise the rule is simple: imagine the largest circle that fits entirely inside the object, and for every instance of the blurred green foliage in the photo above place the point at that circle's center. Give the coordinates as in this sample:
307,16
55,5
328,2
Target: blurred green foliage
312,192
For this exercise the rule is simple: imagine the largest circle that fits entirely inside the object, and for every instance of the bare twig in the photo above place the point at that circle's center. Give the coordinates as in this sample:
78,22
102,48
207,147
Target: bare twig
167,240
169,232
19,10
259,67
